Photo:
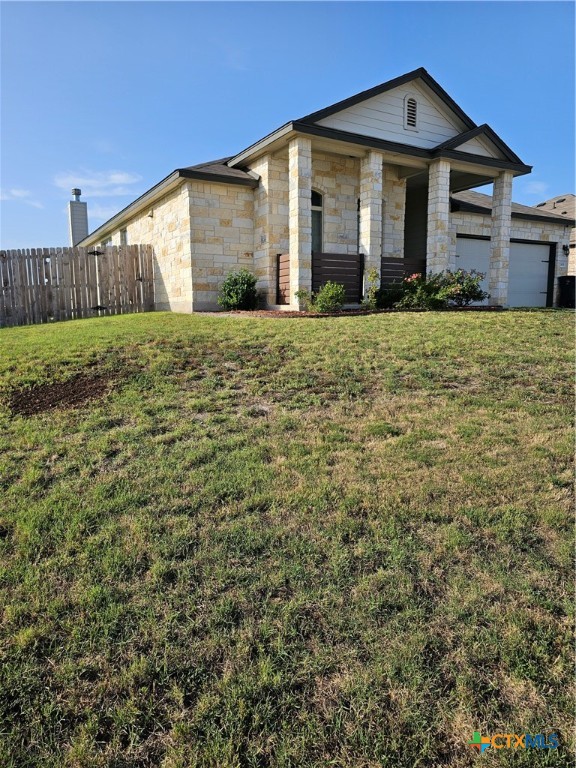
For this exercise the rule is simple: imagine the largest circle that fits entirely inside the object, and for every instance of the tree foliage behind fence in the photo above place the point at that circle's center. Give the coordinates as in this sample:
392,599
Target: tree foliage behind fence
40,285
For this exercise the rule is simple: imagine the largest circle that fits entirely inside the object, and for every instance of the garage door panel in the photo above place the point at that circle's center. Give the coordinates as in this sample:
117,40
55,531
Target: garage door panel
528,275
474,254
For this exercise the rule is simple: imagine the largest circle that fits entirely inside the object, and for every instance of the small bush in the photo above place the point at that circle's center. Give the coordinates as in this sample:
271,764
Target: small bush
463,287
330,297
238,291
421,292
388,296
305,298
370,300
433,292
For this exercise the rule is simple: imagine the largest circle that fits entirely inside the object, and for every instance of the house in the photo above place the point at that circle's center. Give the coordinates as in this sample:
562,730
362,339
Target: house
565,205
377,181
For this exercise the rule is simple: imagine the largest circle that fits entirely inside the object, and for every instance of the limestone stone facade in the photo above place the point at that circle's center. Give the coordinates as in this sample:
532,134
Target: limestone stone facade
167,226
222,237
500,238
438,239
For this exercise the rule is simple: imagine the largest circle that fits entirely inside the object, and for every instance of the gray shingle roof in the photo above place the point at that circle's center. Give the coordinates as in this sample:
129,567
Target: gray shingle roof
219,168
483,203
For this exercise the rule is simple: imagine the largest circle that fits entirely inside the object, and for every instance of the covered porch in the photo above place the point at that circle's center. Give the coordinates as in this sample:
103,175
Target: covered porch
352,208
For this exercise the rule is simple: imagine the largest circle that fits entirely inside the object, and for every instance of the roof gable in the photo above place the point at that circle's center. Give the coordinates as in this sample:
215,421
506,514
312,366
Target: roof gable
482,141
379,112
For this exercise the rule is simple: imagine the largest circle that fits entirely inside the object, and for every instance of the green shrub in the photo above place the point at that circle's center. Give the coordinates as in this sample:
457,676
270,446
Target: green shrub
463,287
388,296
370,300
421,292
433,292
238,291
305,298
330,297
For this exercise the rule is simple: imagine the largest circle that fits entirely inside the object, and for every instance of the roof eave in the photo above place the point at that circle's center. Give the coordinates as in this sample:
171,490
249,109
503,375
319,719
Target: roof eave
144,200
160,189
519,169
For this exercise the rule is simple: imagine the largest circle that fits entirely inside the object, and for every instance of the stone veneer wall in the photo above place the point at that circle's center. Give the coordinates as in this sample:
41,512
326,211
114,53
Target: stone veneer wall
168,231
271,228
337,178
222,236
394,196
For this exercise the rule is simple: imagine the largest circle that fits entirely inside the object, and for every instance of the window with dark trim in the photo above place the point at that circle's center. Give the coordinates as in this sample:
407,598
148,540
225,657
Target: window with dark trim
317,222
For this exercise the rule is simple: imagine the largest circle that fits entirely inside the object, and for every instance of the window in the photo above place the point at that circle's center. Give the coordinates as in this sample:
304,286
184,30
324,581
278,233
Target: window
106,243
411,113
316,222
123,237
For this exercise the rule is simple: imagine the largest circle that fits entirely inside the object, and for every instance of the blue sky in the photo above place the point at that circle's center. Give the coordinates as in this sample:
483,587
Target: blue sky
112,96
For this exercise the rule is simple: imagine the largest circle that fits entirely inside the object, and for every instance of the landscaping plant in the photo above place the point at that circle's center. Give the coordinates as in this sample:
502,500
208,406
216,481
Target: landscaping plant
330,298
238,291
433,291
370,300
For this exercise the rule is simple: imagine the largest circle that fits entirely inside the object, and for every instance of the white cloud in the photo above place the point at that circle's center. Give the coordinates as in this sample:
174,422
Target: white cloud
21,195
101,212
537,188
98,183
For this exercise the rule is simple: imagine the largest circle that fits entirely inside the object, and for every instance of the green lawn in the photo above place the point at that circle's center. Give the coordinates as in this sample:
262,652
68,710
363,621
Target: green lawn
312,542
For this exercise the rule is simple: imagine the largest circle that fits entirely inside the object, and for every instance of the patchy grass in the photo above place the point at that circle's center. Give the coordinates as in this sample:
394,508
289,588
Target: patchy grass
340,542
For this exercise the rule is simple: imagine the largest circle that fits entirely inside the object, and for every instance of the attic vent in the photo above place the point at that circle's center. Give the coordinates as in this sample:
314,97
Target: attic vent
410,112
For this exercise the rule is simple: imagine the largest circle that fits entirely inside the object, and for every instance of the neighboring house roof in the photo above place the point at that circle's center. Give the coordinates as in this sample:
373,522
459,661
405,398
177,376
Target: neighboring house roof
563,205
477,202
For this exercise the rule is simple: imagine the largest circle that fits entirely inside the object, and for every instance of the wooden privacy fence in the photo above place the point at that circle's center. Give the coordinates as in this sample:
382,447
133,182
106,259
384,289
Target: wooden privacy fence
40,285
394,270
344,268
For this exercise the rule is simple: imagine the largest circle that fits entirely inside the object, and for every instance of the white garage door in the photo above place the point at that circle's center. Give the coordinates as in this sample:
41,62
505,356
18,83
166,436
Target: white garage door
528,277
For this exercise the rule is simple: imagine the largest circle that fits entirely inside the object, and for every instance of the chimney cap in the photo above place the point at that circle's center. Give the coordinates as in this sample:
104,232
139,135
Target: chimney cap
76,192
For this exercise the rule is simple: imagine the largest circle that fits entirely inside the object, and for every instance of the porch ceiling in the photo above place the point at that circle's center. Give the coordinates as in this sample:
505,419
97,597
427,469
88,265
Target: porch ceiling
459,180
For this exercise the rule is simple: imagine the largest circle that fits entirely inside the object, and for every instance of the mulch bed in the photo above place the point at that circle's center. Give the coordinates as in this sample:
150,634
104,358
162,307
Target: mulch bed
72,393
342,313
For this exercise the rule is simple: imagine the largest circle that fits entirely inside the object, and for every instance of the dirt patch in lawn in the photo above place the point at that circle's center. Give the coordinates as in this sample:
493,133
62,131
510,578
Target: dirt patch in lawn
29,401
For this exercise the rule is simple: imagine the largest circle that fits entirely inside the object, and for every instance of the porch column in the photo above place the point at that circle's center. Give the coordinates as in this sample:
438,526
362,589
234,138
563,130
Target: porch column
500,239
370,242
438,237
300,216
394,201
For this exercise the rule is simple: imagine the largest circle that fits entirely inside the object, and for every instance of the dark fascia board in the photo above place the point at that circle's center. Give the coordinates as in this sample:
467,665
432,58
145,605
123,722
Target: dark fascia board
481,130
179,173
416,74
217,178
459,205
468,157
357,138
405,149
149,194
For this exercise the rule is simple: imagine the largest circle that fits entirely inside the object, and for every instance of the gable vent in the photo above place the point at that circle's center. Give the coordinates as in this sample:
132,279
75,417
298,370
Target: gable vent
410,112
